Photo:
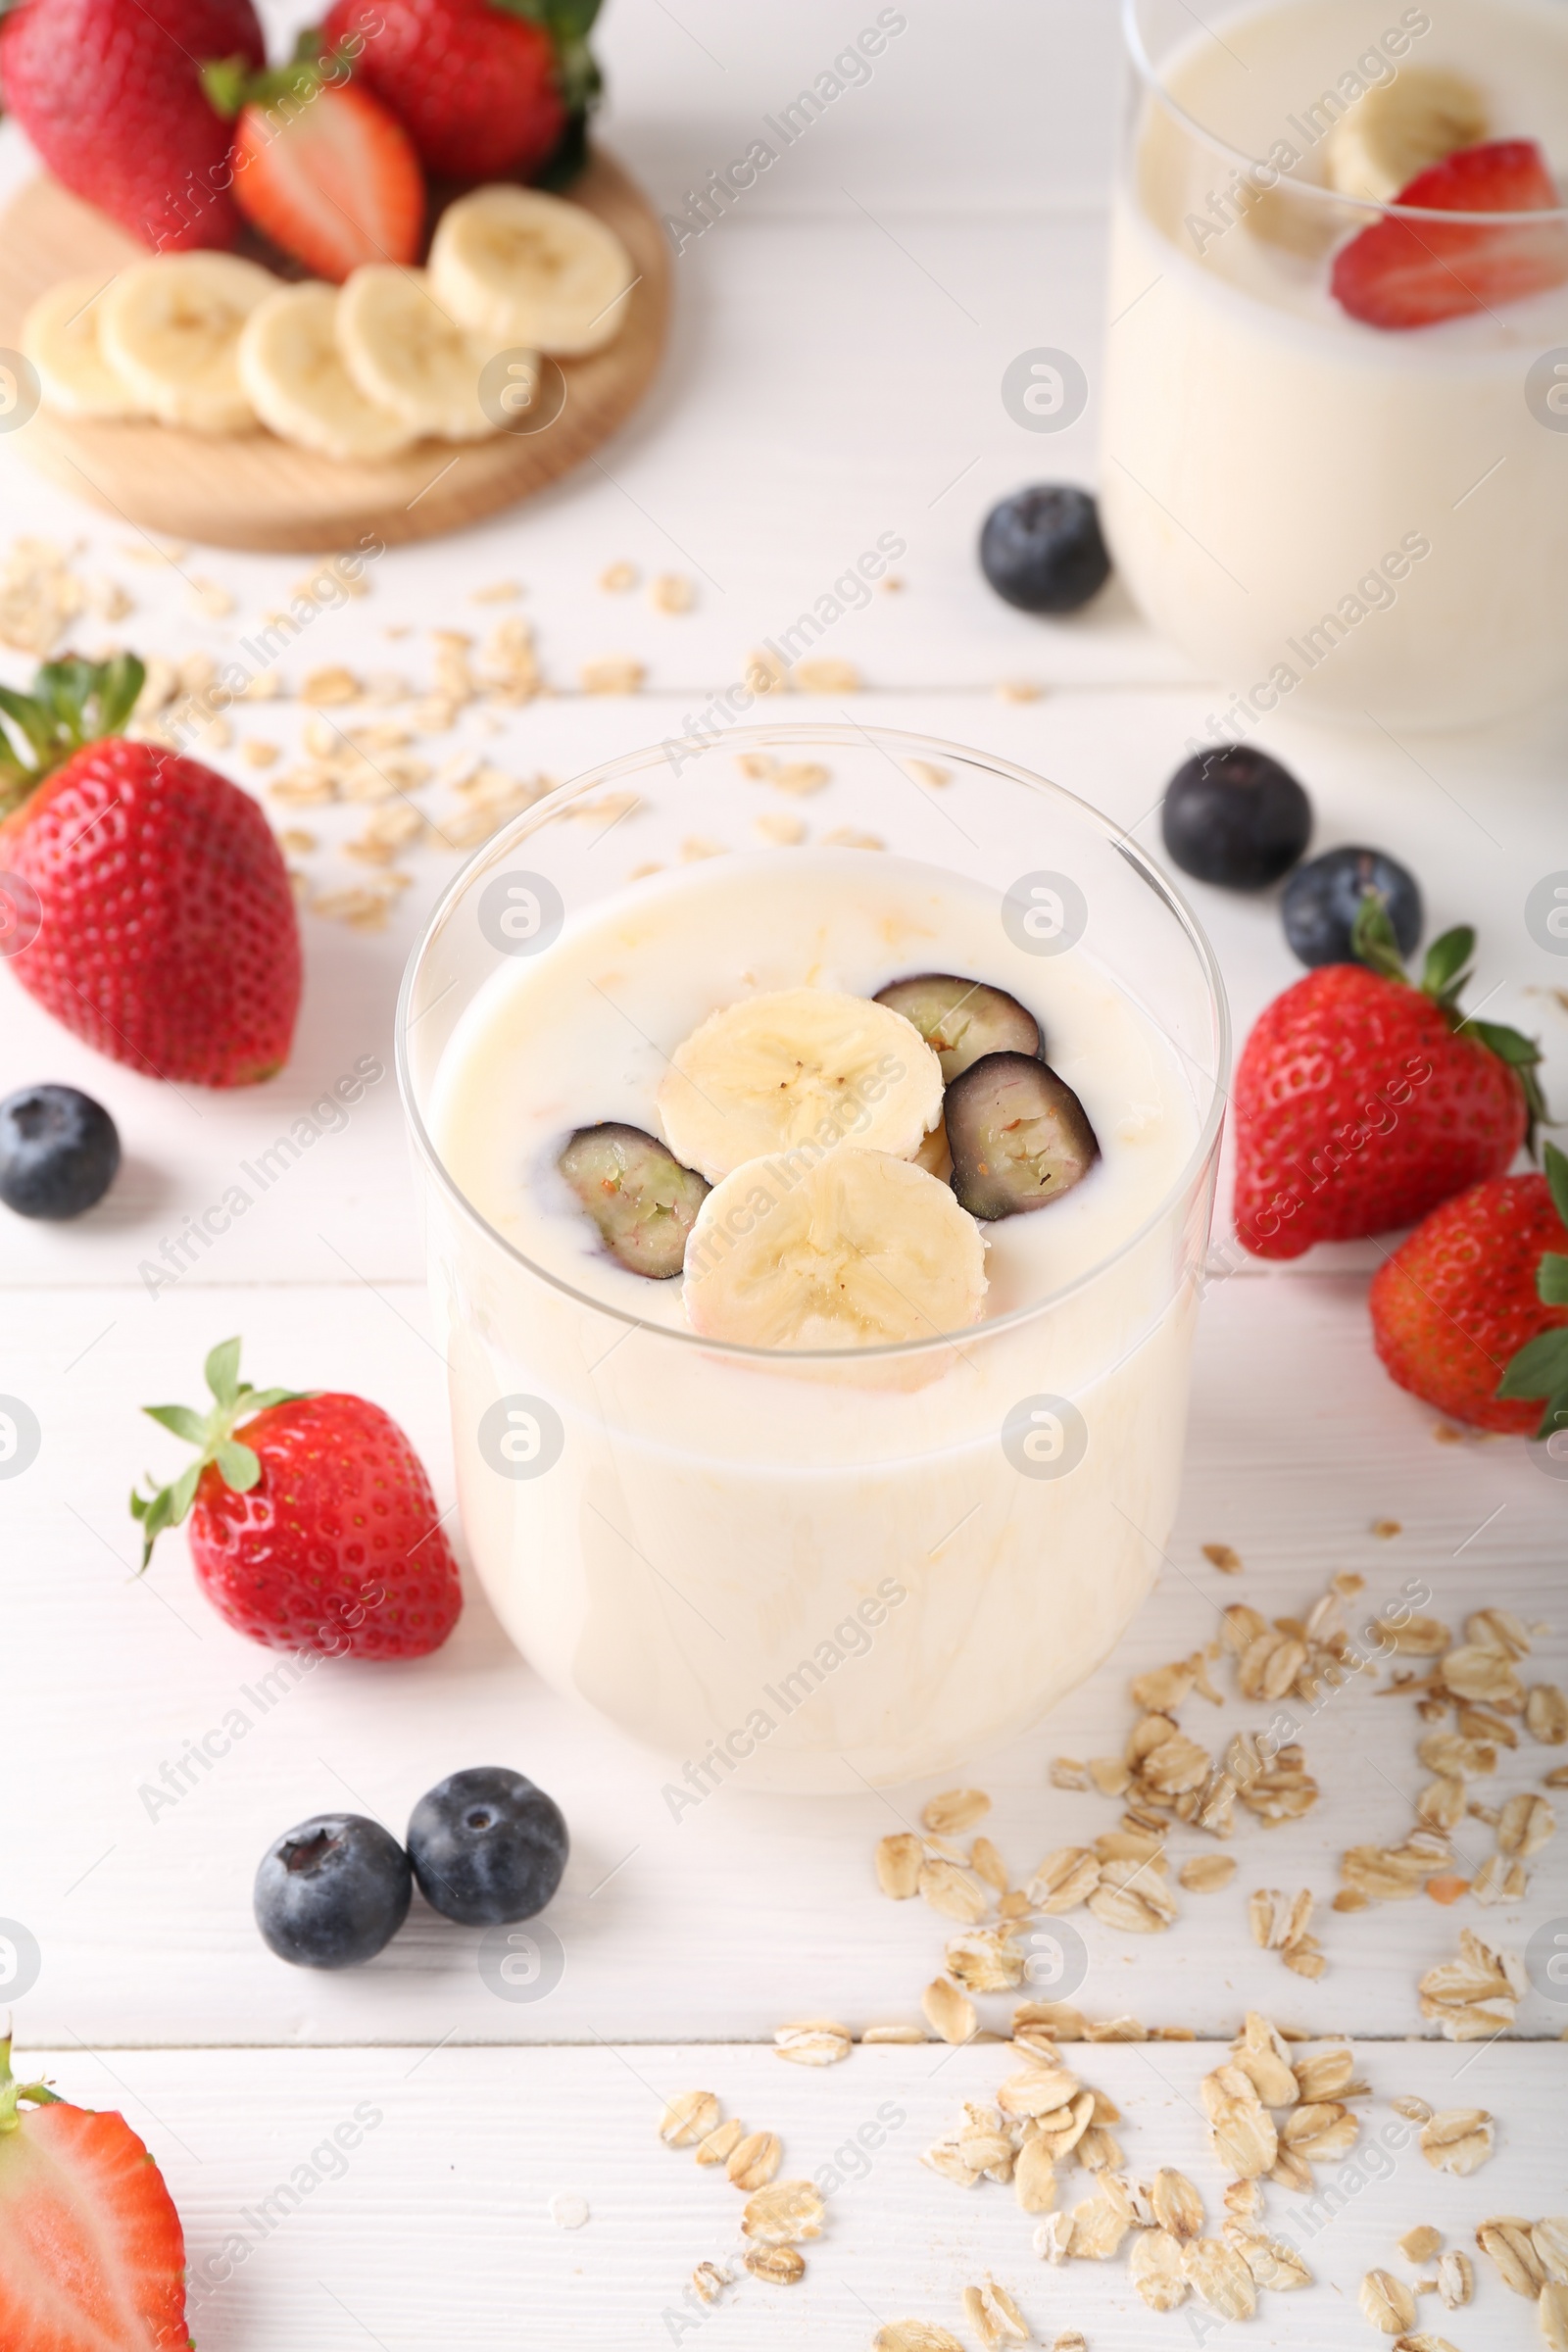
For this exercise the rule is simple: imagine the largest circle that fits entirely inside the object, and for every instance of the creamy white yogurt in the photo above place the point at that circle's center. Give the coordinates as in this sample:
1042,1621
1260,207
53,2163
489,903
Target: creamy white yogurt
811,1570
1322,514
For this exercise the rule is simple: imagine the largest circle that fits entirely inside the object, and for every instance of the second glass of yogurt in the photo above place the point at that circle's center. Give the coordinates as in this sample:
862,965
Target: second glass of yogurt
1335,450
774,1543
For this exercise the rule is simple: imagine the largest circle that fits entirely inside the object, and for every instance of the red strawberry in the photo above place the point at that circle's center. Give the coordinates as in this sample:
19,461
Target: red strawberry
1471,1313
92,2256
165,927
1361,1102
111,96
323,167
314,1527
1400,274
477,84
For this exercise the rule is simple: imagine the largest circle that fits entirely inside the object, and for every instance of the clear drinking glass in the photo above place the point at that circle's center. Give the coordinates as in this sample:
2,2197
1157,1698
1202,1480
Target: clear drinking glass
818,1570
1326,514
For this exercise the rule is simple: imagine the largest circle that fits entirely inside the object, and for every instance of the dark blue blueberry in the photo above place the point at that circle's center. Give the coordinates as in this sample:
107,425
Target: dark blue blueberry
1323,898
487,1845
1235,816
59,1151
1042,549
332,1892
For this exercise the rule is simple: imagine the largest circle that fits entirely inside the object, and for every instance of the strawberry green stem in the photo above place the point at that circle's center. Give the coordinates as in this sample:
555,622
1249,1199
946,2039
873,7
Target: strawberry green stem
1445,975
72,702
212,1432
12,2092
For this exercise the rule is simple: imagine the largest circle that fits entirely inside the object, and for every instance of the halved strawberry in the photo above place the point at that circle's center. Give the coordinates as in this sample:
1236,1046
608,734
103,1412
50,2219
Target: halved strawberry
1402,274
323,167
92,2255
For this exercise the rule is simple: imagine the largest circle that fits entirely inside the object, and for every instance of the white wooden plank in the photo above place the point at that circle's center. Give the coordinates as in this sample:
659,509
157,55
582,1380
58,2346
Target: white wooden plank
434,2228
724,1919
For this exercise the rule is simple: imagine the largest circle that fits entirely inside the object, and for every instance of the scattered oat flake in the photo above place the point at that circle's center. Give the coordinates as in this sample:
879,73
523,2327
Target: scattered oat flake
1384,1529
813,2044
894,2034
926,771
783,2213
802,777
954,1811
1223,1557
778,829
296,842
780,2266
827,677
1387,2303
1218,2277
689,2117
994,2315
717,2146
670,593
1552,2313
752,2161
953,1892
710,2280
1018,690
212,598
1456,2278
1205,1874
948,2013
1507,2242
332,685
899,1857
499,592
1459,2139
1550,2237
914,2335
619,577
612,673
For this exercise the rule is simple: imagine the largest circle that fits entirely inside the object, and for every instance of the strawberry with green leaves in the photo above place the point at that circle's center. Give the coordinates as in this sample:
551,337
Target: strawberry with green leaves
147,905
92,2255
1362,1100
312,1521
1470,1312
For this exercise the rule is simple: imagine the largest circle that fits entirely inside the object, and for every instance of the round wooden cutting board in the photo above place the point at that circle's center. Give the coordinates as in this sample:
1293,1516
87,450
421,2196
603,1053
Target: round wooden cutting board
257,492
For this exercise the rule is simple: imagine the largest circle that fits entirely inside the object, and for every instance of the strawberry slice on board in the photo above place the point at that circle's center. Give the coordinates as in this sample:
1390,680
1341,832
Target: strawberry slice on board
92,2255
321,165
1401,274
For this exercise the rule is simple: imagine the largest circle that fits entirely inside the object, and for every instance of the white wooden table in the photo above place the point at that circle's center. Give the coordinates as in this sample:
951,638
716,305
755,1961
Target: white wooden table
839,344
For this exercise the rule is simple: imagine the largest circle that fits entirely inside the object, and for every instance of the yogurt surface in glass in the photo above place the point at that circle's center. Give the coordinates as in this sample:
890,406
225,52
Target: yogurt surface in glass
1324,514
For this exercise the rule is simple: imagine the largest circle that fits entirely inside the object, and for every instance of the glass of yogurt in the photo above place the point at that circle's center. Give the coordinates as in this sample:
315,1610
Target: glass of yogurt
770,1449
1335,460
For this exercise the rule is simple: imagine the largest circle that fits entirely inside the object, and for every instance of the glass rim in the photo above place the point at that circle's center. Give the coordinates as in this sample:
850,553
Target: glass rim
543,810
1153,82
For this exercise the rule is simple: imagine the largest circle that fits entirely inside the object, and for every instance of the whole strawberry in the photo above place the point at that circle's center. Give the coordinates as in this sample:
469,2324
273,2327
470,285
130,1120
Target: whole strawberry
92,2255
163,926
110,93
1361,1102
1470,1312
479,85
312,1521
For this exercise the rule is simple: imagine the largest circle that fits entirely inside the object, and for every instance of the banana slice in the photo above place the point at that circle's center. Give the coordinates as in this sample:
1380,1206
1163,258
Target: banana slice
406,353
525,267
803,1066
290,366
1402,127
60,336
852,1249
171,327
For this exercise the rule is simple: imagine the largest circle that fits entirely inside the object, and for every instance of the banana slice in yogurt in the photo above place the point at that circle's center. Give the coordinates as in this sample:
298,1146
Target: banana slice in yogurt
799,1066
1402,127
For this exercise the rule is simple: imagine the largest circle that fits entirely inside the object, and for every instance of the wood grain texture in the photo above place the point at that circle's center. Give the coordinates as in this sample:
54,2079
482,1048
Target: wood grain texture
431,2225
257,492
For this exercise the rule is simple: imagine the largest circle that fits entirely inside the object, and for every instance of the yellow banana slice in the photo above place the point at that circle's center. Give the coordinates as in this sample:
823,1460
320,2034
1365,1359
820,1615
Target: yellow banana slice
1402,127
60,336
171,330
801,1065
405,352
293,371
846,1250
521,267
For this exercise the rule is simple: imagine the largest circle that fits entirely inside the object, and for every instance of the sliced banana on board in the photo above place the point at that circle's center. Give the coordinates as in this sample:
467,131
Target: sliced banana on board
850,1249
521,266
408,353
171,329
1402,127
293,372
60,336
799,1065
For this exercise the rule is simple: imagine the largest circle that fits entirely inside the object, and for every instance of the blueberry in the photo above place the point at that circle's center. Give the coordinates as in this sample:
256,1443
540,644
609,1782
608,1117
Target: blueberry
59,1151
1018,1135
1235,817
487,1845
643,1201
332,1892
1323,898
1042,549
962,1020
